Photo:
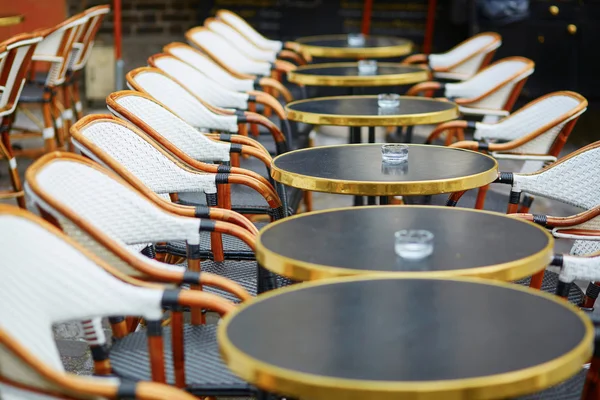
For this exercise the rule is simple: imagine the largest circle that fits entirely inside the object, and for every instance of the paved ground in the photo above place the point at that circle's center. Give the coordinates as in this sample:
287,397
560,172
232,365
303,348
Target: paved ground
69,336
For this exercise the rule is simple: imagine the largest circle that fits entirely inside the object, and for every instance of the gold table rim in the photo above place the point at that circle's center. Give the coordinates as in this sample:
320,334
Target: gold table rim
307,271
10,20
355,52
387,188
432,117
297,76
504,385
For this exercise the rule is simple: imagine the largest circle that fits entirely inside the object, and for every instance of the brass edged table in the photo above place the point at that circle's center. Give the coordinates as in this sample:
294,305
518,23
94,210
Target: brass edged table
336,46
10,20
411,338
360,241
346,74
357,169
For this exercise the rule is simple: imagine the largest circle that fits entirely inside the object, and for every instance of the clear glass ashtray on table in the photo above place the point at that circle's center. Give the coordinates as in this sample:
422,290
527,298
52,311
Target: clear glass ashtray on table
394,153
413,244
388,100
356,39
367,67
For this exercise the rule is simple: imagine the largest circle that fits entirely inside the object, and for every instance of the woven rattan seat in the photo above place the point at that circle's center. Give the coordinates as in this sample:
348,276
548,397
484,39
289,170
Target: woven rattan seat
549,285
206,374
568,390
31,93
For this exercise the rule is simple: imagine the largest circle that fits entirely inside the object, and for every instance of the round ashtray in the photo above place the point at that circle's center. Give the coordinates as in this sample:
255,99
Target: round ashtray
394,153
413,244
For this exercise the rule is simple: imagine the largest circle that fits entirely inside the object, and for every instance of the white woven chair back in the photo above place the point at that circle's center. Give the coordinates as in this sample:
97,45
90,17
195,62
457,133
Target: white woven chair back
182,102
529,119
56,48
125,145
174,129
16,61
575,180
240,42
219,48
491,83
581,268
209,68
200,85
8,392
245,29
82,49
51,282
466,58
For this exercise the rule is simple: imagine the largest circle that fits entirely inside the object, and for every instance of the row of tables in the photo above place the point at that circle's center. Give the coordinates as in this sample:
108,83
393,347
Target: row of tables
387,327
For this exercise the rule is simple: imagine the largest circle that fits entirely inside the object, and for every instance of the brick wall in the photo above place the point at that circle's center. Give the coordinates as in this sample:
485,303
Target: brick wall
143,17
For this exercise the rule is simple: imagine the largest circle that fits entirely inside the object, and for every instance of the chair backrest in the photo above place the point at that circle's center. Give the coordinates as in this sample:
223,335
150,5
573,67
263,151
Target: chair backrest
140,109
18,52
185,104
208,67
57,45
199,84
84,43
239,41
539,124
468,57
121,146
54,281
495,87
245,29
224,53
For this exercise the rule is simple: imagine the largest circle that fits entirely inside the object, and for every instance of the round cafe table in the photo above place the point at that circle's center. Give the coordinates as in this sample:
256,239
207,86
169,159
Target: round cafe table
411,338
336,46
359,111
10,20
346,74
360,241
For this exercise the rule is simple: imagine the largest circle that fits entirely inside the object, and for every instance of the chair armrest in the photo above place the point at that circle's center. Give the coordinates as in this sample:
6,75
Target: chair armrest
416,59
441,128
482,111
296,47
423,87
278,86
522,157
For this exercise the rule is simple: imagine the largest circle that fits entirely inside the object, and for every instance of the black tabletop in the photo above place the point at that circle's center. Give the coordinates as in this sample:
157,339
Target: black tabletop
358,169
365,111
342,41
381,338
360,240
351,69
338,46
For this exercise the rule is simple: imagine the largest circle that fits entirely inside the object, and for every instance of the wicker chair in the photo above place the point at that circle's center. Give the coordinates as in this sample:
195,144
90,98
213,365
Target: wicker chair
213,93
15,58
229,79
229,57
59,281
491,93
462,61
259,40
44,89
573,180
193,110
80,54
247,47
535,134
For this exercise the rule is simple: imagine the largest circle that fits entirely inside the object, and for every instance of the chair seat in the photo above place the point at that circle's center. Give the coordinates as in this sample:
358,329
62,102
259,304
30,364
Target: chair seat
549,285
568,390
206,374
31,93
234,248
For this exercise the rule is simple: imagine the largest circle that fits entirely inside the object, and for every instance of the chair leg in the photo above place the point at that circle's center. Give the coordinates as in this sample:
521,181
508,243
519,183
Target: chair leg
308,201
591,294
77,98
48,133
537,279
6,151
591,388
526,203
67,115
481,193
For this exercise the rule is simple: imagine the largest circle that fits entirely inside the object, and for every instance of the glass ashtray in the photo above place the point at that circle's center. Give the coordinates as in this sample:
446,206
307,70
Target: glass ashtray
356,39
367,67
413,244
394,168
388,100
394,153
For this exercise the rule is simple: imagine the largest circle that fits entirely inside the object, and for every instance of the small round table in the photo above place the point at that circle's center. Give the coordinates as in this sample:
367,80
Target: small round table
336,46
346,74
389,338
357,169
360,241
359,111
10,20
